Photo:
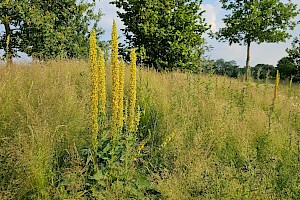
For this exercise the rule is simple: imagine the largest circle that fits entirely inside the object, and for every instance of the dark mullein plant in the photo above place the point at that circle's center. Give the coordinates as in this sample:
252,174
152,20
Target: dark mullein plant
94,89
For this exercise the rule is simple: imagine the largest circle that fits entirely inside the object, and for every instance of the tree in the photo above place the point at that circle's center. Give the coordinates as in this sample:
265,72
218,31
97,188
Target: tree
47,29
229,68
168,31
287,67
294,52
257,21
10,17
261,71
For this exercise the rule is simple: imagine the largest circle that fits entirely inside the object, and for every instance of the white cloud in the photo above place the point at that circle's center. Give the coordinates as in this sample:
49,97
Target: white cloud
210,16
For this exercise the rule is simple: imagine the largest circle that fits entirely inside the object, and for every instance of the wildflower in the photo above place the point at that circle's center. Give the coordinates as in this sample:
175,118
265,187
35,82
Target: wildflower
94,88
276,85
291,82
121,93
132,91
102,83
115,76
168,140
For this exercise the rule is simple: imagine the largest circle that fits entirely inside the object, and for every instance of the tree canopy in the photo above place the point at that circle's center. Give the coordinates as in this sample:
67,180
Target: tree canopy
47,29
294,51
229,68
287,67
168,32
257,21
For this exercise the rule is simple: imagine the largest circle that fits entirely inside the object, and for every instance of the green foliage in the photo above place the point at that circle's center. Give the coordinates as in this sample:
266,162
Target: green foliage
294,51
257,21
287,68
229,68
48,29
112,171
168,32
260,71
10,15
289,65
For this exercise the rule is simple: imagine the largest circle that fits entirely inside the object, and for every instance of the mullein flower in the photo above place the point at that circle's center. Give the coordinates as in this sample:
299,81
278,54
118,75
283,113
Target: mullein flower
168,139
115,77
276,85
291,82
102,82
94,88
132,91
121,93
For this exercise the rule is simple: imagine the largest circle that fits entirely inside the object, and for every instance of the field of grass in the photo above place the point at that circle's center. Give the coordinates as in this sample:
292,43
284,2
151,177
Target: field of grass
199,136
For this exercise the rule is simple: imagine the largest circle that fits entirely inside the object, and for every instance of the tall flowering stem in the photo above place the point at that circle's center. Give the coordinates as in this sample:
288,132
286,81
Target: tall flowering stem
8,56
115,77
276,85
94,89
121,94
273,106
102,82
132,91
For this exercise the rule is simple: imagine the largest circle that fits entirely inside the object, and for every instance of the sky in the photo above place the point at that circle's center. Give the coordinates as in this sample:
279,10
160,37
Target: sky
260,54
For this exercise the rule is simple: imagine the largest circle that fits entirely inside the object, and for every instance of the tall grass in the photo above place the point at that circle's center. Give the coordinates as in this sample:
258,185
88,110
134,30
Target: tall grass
199,136
159,135
43,117
222,147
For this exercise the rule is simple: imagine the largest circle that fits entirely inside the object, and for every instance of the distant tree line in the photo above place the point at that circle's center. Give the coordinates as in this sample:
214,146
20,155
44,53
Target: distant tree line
289,66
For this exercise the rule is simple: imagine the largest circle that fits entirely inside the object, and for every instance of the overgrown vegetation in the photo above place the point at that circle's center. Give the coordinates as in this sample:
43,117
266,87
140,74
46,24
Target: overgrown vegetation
110,130
199,136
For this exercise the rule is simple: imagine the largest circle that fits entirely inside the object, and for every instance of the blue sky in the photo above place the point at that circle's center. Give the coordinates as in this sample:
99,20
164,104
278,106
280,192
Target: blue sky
263,53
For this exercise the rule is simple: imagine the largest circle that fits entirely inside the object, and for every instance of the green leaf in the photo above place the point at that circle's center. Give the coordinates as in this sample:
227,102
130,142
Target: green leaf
98,176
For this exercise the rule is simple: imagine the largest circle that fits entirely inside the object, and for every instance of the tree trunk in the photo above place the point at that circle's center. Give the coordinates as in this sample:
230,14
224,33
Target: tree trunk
8,49
247,61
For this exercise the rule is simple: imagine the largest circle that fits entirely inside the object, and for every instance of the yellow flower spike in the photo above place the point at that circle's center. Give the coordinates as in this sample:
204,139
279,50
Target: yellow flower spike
94,88
137,118
276,85
102,82
7,49
132,91
142,146
121,93
168,140
115,77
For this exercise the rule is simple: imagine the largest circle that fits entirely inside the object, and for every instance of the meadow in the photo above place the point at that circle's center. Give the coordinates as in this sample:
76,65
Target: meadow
199,136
